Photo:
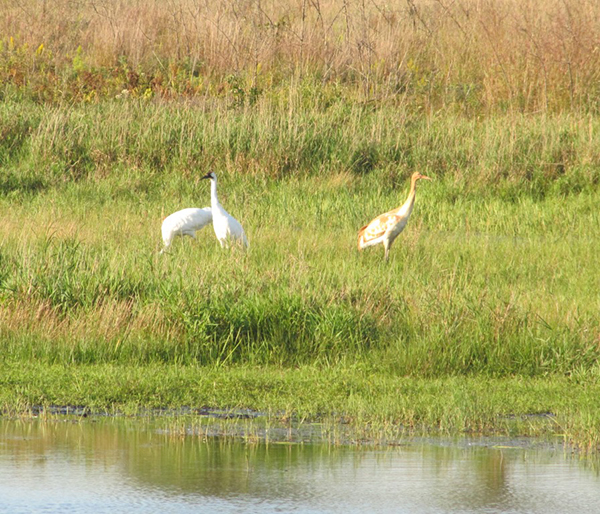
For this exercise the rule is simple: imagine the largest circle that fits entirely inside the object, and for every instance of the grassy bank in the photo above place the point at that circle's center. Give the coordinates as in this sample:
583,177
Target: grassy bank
487,309
373,406
490,297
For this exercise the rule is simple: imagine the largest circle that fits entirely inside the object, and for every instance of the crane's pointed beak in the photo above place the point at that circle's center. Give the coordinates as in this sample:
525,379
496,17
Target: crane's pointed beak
206,176
425,177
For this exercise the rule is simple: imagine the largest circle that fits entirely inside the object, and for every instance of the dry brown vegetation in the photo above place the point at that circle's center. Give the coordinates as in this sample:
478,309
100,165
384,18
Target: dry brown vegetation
482,55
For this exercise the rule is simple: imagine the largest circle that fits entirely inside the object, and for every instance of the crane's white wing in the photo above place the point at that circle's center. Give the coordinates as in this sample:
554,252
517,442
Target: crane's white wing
185,222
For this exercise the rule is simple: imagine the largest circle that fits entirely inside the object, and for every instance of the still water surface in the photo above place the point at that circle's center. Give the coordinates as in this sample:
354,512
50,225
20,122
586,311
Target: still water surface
114,466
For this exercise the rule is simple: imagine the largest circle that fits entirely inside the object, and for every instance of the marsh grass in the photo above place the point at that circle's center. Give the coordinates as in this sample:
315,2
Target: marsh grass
353,405
488,278
493,282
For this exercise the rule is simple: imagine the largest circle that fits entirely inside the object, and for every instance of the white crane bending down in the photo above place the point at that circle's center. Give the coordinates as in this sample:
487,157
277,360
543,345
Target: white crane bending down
386,227
227,229
185,222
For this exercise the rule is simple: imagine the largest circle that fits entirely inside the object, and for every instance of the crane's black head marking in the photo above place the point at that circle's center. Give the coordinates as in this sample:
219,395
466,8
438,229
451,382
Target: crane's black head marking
210,175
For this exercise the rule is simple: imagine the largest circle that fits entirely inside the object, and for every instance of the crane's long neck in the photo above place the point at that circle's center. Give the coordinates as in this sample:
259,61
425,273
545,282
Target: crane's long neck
214,200
406,208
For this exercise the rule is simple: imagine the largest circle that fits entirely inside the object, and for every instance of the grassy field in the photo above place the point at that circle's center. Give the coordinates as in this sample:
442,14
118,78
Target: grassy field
486,312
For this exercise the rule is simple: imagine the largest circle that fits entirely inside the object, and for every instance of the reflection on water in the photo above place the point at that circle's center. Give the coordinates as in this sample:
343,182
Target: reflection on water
112,465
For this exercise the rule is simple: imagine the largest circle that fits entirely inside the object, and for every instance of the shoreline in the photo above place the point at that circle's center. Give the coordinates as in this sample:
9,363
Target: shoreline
365,405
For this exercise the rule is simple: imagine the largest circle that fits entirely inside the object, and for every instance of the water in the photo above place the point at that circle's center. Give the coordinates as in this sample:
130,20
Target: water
130,466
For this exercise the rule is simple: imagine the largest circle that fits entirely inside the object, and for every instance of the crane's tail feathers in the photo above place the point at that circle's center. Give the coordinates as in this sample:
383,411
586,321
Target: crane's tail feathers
361,233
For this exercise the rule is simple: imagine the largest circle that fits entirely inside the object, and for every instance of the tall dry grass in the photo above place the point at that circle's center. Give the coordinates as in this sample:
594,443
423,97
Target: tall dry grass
483,55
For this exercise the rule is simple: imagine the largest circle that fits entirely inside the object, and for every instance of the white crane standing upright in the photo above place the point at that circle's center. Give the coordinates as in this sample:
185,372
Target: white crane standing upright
227,229
386,227
185,222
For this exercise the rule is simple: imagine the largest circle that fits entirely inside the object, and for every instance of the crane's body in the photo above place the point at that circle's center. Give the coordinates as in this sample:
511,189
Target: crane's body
227,229
384,229
185,222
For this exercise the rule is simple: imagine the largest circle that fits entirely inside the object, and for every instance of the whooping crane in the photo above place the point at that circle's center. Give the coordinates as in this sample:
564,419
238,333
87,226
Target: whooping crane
185,222
386,227
227,228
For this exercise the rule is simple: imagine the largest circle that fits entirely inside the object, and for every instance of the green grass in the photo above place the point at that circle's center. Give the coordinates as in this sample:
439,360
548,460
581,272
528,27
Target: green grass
487,308
377,406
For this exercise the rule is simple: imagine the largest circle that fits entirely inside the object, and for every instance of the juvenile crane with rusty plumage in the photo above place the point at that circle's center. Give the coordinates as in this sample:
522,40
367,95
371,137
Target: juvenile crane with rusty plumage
384,229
